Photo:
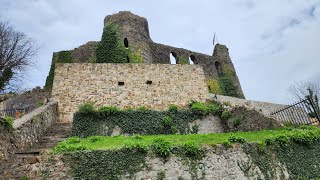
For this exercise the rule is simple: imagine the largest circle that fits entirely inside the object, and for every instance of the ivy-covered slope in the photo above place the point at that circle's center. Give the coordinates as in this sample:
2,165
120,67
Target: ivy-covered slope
293,150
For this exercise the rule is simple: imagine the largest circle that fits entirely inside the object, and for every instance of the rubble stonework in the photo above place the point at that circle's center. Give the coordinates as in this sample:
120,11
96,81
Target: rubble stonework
77,83
135,30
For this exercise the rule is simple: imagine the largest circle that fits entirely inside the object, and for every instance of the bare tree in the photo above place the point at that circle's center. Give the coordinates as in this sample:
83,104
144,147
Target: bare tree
16,53
299,90
311,90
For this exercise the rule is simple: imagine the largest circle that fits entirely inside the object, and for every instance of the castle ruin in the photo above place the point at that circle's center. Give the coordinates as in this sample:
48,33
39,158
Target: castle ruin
117,84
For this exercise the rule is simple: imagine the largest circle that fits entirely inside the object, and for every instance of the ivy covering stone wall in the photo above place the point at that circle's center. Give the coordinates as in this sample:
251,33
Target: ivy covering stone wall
140,121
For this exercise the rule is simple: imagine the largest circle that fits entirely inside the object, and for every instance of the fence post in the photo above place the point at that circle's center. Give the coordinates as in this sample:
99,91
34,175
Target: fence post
313,108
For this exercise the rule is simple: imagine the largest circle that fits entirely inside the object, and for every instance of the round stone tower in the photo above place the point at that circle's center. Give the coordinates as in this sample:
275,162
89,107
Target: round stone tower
134,31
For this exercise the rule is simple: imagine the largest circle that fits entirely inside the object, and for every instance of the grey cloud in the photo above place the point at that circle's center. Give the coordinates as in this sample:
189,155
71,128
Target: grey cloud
272,43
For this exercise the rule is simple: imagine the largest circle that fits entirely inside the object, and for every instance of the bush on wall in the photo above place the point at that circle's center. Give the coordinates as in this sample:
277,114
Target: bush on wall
135,57
110,49
213,86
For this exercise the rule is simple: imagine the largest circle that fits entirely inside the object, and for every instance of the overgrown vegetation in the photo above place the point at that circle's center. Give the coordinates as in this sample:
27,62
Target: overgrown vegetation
118,142
107,164
243,119
89,120
213,86
226,82
297,148
7,122
59,57
111,49
183,60
135,57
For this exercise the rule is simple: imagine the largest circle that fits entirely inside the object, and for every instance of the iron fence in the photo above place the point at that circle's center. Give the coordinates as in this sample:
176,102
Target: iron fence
15,113
302,112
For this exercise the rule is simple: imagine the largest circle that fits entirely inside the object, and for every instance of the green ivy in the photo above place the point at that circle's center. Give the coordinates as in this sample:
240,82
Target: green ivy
110,164
299,151
89,122
111,49
59,57
227,87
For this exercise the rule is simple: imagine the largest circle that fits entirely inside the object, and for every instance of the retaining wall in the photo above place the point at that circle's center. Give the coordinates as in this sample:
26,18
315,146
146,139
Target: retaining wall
27,130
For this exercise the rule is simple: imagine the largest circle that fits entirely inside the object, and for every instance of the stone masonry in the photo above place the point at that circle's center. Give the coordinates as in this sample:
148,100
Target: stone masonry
155,86
134,30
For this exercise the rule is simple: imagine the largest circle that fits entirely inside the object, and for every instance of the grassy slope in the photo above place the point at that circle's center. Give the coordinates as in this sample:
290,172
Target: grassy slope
117,142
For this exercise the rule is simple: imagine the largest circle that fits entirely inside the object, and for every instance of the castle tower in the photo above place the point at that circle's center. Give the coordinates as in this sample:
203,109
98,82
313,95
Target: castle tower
134,32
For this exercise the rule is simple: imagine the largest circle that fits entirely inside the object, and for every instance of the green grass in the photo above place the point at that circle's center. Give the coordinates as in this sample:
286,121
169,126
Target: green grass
118,142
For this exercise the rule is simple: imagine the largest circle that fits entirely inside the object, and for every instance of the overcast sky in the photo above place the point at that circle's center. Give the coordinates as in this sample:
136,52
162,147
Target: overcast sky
272,43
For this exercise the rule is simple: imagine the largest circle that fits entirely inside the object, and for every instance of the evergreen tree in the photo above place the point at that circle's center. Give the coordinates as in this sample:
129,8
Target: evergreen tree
110,49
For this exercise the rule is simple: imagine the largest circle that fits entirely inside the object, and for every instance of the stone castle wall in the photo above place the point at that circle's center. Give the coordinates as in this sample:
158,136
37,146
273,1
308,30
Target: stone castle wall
77,83
135,31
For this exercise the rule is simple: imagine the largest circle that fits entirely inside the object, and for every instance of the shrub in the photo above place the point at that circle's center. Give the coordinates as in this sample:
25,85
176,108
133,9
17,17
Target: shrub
167,121
199,108
282,140
161,147
138,146
225,115
234,122
173,108
226,144
8,122
110,49
87,107
191,149
183,60
213,86
215,109
236,139
108,110
135,57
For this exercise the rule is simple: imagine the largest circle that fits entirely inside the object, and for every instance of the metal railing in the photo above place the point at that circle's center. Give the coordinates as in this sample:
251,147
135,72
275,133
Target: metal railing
15,113
302,112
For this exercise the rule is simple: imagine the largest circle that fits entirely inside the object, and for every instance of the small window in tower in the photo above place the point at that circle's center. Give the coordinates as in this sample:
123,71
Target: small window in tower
126,42
148,82
121,83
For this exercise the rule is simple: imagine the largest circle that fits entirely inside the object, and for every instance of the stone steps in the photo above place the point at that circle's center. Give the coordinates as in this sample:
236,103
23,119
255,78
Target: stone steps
25,163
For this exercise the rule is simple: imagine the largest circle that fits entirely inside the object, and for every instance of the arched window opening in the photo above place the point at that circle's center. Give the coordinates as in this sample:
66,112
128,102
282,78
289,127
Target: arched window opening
126,42
218,68
192,60
173,59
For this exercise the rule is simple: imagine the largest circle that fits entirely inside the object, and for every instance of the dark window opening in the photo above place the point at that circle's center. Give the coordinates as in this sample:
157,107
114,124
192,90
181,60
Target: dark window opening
148,82
218,68
126,42
173,58
121,83
193,59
